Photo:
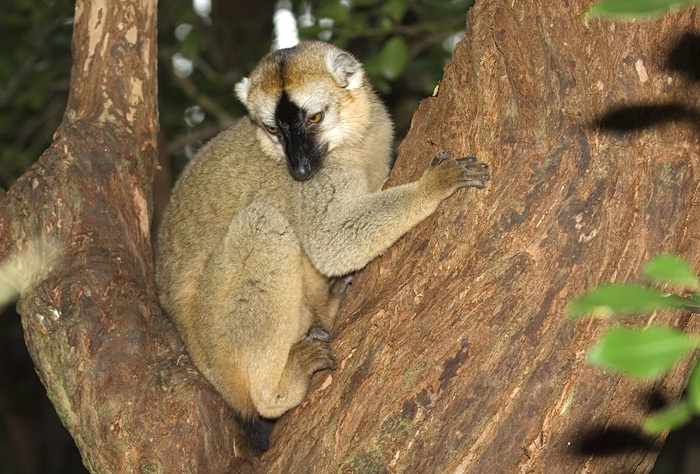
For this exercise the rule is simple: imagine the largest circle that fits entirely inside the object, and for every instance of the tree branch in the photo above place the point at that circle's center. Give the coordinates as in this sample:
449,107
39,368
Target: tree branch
112,364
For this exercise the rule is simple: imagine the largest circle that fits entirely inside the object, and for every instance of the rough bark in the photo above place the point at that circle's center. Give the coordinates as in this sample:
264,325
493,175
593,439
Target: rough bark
454,348
111,362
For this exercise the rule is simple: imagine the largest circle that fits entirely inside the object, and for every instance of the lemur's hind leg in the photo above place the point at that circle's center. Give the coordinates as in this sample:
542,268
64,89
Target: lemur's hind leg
258,273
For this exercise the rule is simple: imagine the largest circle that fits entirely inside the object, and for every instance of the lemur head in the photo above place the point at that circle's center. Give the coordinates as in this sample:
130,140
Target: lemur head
307,101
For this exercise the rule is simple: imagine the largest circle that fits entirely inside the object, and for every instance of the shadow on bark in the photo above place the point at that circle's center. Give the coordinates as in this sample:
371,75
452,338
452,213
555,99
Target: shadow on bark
683,58
607,441
638,117
610,441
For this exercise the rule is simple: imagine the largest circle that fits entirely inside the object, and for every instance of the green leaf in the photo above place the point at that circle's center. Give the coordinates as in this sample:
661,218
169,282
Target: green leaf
336,11
671,269
642,353
392,58
670,418
635,9
365,3
395,9
682,302
386,23
694,389
620,298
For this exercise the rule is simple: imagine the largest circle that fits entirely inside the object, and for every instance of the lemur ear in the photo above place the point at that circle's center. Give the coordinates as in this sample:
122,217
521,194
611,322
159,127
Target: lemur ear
345,69
241,90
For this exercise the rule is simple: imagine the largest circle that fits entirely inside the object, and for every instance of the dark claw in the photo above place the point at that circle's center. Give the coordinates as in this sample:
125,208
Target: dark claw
471,159
440,157
318,334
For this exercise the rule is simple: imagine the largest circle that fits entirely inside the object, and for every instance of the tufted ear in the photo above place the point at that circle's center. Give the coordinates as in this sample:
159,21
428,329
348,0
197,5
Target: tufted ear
241,90
345,69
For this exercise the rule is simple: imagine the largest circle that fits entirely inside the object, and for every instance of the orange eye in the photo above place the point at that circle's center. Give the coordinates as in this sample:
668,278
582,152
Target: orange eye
273,130
316,118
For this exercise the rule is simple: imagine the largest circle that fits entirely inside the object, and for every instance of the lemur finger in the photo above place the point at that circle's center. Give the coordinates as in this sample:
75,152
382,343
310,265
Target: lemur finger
439,158
476,183
473,169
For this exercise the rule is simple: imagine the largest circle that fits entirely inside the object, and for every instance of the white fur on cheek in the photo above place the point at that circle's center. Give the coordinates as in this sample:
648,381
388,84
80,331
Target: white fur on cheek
271,147
346,129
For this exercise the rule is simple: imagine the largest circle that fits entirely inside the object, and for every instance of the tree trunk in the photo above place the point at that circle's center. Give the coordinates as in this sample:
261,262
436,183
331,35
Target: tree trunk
112,364
454,350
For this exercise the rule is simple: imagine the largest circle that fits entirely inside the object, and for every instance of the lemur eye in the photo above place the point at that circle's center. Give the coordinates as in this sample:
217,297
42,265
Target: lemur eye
273,130
316,118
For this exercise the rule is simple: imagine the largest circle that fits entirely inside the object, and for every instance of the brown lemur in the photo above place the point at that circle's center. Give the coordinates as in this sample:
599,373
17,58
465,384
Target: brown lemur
270,214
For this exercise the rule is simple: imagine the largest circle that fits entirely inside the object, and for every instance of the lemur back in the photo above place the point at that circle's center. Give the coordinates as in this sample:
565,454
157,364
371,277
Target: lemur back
268,218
